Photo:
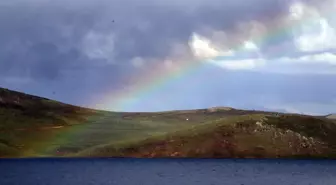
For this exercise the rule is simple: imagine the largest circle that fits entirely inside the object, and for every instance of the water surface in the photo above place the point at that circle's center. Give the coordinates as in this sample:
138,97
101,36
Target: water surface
166,172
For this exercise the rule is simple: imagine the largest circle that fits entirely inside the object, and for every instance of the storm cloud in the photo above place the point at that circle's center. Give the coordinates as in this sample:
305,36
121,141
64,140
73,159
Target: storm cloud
43,37
94,45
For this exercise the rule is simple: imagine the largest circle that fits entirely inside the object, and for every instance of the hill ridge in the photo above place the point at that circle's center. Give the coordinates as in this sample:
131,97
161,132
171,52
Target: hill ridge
33,126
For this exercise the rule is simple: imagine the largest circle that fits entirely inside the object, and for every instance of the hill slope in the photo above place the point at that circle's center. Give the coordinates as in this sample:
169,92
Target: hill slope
238,137
31,126
331,116
22,111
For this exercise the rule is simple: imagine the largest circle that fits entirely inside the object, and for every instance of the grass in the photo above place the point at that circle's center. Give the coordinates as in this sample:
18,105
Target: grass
159,135
31,126
237,136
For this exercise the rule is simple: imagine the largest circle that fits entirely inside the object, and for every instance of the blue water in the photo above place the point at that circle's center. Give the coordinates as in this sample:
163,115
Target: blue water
166,172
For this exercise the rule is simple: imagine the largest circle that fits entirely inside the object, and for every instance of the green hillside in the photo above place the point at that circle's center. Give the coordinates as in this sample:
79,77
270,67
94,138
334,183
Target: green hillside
31,126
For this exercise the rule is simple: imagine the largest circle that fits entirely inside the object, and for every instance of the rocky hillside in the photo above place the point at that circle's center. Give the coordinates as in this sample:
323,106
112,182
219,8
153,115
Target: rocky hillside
260,136
32,126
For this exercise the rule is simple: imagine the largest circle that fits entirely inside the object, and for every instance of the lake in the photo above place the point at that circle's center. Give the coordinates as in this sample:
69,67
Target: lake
166,172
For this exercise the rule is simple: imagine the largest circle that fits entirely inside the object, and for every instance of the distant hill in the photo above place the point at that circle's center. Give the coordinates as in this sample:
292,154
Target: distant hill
32,126
331,116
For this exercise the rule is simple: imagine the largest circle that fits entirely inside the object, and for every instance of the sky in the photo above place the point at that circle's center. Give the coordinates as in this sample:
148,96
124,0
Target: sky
155,55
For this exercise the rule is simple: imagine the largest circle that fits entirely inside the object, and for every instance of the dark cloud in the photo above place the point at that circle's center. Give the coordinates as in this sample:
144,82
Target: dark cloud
46,37
84,48
35,40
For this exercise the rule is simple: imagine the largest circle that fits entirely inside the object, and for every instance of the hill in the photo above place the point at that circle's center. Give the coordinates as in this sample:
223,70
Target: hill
331,116
31,126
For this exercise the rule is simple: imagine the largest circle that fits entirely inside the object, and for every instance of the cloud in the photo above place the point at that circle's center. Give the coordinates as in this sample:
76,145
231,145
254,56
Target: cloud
138,62
87,48
317,40
202,48
321,63
248,56
87,32
296,11
99,46
322,58
314,32
312,36
248,45
243,64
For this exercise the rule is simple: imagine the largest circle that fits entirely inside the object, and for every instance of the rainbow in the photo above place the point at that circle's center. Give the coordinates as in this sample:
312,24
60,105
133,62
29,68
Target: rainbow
149,83
146,86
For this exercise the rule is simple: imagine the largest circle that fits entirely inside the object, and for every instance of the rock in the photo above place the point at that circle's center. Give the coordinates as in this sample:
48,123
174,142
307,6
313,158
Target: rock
215,109
259,123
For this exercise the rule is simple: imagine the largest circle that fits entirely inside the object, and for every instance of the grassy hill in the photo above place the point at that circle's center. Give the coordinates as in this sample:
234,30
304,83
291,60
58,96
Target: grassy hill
31,126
